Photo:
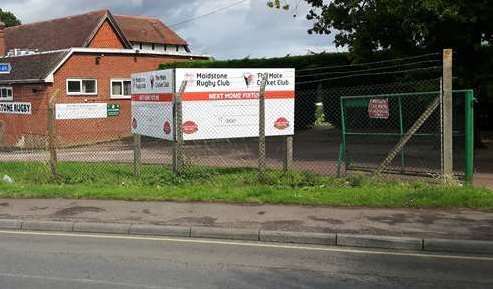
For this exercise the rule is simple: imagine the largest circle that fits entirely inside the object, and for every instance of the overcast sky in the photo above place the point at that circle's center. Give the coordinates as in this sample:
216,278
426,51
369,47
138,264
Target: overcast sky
247,29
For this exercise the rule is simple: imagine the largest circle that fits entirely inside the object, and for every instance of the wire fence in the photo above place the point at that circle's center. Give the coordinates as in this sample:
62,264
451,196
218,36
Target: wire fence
347,119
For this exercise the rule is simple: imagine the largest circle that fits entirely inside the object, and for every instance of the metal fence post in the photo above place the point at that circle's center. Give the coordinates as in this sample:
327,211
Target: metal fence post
401,131
178,133
261,136
137,155
288,153
469,137
52,135
447,114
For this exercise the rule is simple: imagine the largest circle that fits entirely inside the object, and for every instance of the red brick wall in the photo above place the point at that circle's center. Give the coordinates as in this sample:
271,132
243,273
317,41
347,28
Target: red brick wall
27,130
106,37
109,67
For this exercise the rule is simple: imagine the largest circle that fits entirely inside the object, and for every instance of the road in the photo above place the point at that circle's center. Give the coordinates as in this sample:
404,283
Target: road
51,260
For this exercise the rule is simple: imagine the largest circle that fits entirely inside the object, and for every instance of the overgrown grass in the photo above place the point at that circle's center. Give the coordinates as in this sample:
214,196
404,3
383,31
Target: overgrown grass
116,182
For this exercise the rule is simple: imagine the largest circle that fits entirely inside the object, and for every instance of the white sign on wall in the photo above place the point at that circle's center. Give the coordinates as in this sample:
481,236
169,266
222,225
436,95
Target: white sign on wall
216,103
81,110
16,108
152,107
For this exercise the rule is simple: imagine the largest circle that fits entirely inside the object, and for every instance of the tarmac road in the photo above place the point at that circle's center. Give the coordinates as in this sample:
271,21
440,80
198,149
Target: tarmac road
55,260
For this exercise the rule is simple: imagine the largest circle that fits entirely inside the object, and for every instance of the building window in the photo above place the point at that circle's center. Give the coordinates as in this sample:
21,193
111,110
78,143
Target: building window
153,46
121,88
6,94
82,87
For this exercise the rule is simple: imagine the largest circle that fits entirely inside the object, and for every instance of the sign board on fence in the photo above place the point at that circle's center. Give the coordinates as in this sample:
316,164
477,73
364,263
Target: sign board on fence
152,107
216,103
16,108
378,108
224,103
81,110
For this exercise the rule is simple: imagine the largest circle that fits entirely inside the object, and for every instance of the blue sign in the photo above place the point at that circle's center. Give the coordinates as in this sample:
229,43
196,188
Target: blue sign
5,68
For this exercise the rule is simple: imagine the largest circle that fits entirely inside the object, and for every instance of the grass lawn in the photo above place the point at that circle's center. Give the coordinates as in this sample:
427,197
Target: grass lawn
157,183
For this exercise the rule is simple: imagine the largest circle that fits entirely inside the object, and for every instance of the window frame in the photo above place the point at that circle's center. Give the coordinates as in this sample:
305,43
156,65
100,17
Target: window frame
80,80
122,81
11,98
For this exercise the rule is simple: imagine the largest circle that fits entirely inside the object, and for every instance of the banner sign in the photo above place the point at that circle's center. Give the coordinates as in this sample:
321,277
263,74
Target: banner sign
224,103
81,110
216,103
152,107
378,108
16,107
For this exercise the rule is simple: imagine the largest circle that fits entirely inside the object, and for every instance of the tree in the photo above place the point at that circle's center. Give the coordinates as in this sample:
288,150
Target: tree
9,18
404,26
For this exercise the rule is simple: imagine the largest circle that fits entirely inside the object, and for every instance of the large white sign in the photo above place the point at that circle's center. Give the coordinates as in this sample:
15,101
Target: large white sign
224,103
16,107
81,110
216,103
152,107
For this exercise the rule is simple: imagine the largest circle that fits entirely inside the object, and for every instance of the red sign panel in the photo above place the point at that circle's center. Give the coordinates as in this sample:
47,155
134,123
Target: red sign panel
378,108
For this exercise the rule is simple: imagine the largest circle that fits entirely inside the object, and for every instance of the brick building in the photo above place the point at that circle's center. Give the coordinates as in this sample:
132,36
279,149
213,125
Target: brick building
79,59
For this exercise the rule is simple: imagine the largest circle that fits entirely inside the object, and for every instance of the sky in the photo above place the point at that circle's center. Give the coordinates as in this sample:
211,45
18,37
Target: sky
248,29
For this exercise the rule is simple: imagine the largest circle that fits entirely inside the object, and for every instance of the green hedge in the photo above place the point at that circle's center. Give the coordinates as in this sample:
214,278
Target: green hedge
305,95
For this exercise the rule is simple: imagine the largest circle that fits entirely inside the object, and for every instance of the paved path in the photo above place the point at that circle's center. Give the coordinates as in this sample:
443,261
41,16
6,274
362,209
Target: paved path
450,224
43,260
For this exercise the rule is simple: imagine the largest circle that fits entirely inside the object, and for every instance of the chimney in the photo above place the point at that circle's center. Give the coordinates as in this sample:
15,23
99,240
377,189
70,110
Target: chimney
2,39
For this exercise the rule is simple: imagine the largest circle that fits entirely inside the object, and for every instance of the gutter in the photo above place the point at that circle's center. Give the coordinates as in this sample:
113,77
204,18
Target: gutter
50,77
22,81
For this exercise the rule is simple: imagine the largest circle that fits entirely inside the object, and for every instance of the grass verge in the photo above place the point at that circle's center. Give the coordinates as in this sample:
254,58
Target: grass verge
157,183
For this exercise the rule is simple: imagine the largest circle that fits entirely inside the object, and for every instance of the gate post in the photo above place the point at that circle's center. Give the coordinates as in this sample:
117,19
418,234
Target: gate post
469,137
447,115
137,155
178,143
288,153
52,134
261,125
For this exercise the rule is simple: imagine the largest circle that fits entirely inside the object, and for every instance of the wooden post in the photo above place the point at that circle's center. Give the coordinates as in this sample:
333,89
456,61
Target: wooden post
178,133
137,155
403,141
447,114
52,135
261,125
288,153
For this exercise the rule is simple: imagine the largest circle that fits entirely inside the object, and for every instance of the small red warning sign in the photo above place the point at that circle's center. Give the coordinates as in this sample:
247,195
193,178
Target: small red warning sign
378,108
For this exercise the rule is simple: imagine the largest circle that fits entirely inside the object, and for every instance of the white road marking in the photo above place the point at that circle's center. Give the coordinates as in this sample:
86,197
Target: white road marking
251,244
82,280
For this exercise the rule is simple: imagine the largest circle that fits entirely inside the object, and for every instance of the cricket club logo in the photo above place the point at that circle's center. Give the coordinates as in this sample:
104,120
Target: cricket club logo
248,78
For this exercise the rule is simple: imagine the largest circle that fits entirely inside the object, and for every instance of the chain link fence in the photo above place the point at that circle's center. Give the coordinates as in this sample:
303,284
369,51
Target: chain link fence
337,132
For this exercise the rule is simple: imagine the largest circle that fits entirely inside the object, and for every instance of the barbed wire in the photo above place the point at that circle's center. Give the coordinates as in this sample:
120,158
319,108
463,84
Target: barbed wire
370,74
370,69
371,63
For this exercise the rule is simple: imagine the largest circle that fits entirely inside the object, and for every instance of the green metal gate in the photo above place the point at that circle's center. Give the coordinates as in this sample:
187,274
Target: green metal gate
372,124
